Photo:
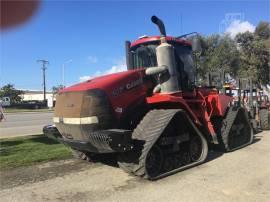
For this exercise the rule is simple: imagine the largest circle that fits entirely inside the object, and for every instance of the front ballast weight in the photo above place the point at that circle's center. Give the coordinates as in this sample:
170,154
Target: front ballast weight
165,142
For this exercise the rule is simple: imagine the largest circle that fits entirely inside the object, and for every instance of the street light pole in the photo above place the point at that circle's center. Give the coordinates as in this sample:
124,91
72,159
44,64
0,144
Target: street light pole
63,71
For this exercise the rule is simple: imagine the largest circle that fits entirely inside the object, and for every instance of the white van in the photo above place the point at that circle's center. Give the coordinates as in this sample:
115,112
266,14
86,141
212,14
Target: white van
5,101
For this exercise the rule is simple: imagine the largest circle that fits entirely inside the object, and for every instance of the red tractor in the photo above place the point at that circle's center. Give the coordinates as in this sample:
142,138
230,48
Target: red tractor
152,116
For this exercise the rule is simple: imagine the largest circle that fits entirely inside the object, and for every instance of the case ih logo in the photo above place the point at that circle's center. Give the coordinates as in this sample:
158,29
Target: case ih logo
127,86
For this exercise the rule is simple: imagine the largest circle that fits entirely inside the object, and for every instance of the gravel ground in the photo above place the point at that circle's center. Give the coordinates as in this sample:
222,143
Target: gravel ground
243,175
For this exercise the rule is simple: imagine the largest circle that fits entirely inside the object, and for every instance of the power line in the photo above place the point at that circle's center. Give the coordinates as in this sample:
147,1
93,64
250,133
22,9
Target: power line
43,68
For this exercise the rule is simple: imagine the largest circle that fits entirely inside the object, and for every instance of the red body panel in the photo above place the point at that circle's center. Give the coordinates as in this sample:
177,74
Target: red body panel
219,103
201,105
123,89
174,100
106,82
157,38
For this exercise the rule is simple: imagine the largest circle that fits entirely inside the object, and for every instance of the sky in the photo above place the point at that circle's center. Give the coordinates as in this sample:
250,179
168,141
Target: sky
88,37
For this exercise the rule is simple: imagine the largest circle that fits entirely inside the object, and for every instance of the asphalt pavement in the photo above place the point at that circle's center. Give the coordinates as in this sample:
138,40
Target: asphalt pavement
24,123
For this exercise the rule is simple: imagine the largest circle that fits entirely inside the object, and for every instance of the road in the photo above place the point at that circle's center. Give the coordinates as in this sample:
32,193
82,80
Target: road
24,123
242,175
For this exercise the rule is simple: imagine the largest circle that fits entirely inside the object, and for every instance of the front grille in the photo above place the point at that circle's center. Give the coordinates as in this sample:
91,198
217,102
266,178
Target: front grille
100,141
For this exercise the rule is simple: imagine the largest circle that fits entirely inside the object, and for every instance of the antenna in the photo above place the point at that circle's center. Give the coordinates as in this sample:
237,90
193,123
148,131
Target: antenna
181,24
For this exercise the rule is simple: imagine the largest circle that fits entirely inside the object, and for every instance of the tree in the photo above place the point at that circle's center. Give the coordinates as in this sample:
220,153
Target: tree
219,53
263,30
9,91
254,57
56,89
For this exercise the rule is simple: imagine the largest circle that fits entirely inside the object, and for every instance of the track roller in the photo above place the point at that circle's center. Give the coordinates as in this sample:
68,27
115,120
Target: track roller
166,141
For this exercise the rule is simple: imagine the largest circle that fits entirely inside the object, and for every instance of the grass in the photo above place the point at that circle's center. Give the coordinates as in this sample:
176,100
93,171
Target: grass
16,110
25,151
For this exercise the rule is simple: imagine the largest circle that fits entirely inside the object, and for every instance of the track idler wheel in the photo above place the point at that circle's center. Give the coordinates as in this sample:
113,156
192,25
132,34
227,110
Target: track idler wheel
195,148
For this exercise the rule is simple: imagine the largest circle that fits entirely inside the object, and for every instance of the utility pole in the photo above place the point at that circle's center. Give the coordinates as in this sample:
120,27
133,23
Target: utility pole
43,68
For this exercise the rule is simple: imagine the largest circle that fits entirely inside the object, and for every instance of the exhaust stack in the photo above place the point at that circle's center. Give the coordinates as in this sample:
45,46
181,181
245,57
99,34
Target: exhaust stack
166,58
161,27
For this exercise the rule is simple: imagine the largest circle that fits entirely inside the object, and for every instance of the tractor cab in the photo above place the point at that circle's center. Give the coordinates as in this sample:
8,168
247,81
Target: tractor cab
142,54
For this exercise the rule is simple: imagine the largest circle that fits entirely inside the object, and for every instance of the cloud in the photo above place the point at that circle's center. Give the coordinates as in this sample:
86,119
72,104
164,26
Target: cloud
119,67
84,78
92,59
238,26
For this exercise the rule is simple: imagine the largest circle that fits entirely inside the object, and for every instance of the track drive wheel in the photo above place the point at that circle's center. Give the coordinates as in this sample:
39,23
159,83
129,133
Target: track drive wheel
264,119
236,131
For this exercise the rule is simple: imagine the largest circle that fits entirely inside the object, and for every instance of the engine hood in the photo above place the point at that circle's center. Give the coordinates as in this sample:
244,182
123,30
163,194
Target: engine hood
107,82
121,89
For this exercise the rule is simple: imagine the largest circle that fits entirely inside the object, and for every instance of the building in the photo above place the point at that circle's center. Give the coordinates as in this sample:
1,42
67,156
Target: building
35,95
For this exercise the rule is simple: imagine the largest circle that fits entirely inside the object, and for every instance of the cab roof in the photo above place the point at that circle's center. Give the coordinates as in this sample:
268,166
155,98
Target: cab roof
149,39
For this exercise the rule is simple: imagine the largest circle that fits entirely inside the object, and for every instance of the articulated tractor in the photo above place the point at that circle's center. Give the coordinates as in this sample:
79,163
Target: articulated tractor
153,117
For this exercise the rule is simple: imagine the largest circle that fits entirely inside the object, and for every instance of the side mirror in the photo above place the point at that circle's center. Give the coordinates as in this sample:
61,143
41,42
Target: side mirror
196,44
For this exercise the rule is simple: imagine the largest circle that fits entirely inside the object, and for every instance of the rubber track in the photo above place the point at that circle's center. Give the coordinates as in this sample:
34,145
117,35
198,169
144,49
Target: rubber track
264,119
227,125
149,130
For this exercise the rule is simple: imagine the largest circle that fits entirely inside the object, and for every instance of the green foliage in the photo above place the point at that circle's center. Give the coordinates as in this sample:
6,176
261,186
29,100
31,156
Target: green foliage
219,53
247,55
9,91
263,30
254,57
55,89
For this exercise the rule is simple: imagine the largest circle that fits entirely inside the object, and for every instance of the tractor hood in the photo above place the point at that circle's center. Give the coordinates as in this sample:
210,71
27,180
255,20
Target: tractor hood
120,89
107,82
94,104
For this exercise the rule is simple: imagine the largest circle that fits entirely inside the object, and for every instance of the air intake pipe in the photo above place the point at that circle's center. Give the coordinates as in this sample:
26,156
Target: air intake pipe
166,62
